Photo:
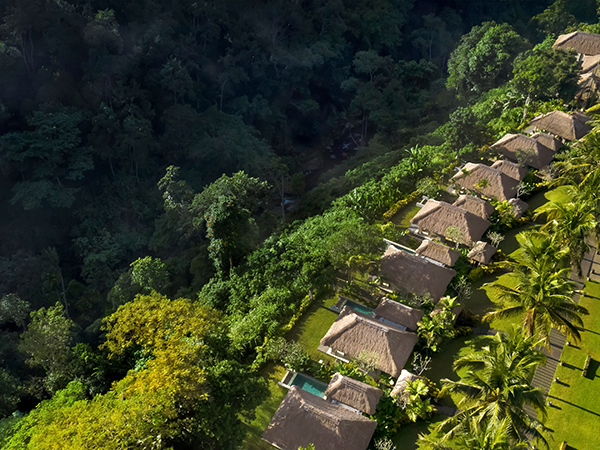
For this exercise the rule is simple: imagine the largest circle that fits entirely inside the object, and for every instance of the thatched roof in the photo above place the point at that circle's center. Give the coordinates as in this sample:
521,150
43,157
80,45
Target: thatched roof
580,41
405,376
398,313
353,333
353,393
475,205
438,252
304,418
518,207
567,126
587,87
589,64
414,274
511,169
437,216
472,177
482,252
524,149
548,140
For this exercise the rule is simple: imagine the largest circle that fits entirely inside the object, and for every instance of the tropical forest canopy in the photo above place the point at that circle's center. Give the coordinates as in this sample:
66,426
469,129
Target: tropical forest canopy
231,156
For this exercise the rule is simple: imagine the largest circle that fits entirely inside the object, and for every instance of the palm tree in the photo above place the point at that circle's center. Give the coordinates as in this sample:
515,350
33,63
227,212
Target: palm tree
538,252
545,299
573,222
495,391
475,436
582,159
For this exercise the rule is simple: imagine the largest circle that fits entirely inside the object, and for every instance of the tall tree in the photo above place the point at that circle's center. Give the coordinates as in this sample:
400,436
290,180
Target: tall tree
546,73
483,59
545,299
47,343
574,223
224,209
495,389
50,157
475,436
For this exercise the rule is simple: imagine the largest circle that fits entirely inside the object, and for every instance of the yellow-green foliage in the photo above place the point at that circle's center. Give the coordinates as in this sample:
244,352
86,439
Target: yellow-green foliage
306,301
481,271
387,216
150,404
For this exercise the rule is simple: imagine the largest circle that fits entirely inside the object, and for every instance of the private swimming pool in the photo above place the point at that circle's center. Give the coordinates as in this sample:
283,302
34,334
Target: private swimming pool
360,308
304,382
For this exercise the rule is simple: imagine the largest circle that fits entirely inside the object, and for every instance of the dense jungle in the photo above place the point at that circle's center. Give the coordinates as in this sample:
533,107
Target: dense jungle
177,176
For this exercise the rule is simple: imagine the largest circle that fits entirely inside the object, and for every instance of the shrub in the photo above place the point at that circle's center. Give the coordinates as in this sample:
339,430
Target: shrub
291,354
461,331
479,272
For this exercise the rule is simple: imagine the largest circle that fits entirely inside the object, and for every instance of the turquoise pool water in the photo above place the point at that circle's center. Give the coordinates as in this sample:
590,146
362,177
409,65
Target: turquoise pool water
308,384
360,308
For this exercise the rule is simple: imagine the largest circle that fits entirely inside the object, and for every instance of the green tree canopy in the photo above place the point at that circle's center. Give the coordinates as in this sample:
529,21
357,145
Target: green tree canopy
546,73
47,343
51,155
495,389
483,59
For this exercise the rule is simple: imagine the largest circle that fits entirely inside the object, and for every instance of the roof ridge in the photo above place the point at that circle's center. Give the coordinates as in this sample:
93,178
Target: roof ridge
357,385
372,324
317,411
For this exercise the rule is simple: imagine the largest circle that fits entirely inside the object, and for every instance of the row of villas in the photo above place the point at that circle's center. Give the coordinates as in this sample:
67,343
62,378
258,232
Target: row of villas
334,416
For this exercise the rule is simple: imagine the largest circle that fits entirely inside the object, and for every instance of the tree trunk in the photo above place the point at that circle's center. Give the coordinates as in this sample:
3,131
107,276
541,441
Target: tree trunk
222,91
282,190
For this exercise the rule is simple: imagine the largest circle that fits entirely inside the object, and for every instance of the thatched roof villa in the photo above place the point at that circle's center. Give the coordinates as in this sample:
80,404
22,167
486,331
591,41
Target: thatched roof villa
590,64
548,140
566,126
475,205
511,169
304,418
435,217
438,252
524,149
354,393
486,181
518,207
411,273
482,252
353,333
580,41
400,385
397,313
587,88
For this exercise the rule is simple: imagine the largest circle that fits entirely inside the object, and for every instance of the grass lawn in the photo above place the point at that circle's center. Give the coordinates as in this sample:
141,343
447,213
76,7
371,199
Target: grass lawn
575,414
402,217
484,300
273,373
313,325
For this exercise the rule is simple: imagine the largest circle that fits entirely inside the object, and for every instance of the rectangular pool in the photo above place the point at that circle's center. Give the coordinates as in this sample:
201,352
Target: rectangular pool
359,308
308,384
